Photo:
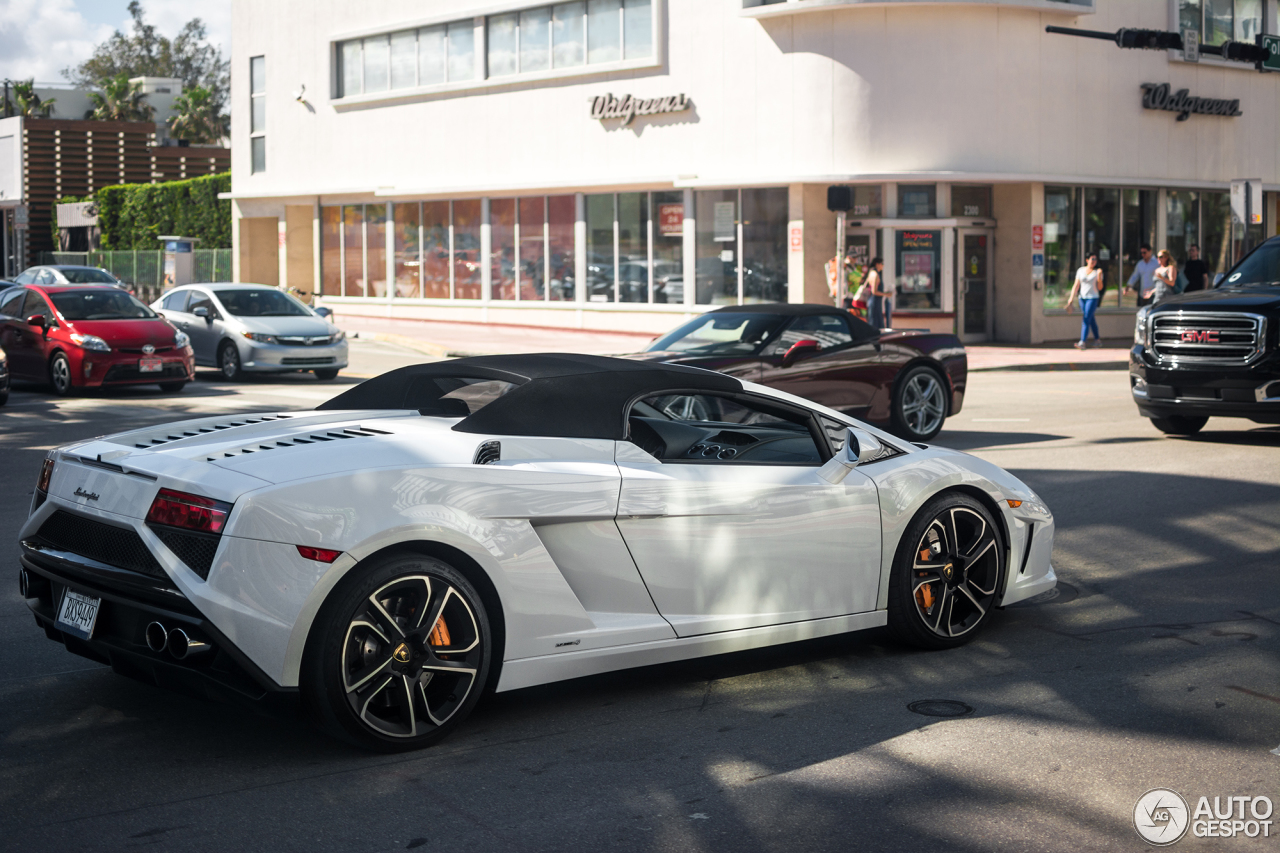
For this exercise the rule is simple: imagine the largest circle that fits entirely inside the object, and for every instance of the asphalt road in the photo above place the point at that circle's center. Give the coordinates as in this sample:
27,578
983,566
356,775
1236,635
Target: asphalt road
1156,667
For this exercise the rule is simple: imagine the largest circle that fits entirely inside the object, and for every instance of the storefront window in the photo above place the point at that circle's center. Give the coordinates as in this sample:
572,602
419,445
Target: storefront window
535,39
532,271
970,201
917,201
331,251
1182,223
868,200
1062,252
407,266
1139,229
435,249
502,247
633,247
503,58
600,258
765,214
467,278
919,270
668,247
1102,233
353,244
376,249
716,261
568,34
561,222
1222,20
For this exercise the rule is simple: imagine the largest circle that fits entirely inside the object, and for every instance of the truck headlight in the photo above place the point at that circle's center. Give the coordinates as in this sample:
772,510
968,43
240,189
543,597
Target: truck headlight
1140,325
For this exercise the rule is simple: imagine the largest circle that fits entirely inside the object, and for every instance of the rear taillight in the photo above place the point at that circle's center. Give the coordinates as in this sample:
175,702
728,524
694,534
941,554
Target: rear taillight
321,555
46,474
191,512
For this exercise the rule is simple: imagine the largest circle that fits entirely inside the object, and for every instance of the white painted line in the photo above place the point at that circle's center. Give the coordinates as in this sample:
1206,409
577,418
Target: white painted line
999,420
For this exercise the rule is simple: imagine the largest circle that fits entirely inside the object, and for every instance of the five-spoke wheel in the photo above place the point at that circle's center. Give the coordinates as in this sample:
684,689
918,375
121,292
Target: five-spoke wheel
919,404
401,654
946,574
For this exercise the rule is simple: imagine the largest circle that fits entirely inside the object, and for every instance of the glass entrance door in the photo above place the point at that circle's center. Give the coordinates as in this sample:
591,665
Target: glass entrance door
861,244
973,285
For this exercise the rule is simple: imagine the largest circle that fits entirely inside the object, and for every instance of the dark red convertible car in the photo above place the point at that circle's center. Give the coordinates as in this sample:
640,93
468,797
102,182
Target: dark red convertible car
908,380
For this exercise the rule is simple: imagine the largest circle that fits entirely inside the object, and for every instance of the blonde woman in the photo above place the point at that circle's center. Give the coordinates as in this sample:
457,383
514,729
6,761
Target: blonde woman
1166,276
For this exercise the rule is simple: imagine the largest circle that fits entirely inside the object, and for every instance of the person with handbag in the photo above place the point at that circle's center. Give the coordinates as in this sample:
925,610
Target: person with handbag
879,308
1088,288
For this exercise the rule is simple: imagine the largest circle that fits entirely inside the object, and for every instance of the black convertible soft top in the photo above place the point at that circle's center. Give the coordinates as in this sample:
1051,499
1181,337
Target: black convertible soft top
558,394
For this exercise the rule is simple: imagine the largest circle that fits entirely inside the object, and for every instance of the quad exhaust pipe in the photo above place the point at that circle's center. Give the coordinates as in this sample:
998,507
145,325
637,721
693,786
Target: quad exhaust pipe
179,643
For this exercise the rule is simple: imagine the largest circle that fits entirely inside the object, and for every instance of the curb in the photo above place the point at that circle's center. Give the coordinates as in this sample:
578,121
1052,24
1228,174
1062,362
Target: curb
414,344
1063,365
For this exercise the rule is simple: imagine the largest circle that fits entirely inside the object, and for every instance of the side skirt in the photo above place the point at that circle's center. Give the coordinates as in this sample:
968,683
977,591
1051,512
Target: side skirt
544,669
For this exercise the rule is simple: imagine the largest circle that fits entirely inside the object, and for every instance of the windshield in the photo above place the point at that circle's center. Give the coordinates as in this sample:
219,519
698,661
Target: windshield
100,304
1261,267
720,334
87,275
266,302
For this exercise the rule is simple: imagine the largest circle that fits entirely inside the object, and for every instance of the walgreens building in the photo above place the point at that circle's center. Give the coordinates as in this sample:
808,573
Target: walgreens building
626,164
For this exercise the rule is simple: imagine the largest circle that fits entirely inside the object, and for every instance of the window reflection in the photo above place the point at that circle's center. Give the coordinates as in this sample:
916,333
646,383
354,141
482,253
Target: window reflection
717,240
600,258
435,249
561,218
633,247
604,30
568,24
532,272
353,246
502,248
466,249
376,249
764,246
668,247
331,251
407,266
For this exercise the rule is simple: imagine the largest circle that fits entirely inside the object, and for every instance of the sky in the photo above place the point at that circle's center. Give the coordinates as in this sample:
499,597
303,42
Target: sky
39,38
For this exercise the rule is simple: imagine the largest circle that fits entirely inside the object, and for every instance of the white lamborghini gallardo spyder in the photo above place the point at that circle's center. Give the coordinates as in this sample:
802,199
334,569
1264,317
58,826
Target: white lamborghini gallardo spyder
505,521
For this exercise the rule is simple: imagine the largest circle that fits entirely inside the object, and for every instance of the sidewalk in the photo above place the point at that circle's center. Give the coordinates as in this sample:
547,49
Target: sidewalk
449,339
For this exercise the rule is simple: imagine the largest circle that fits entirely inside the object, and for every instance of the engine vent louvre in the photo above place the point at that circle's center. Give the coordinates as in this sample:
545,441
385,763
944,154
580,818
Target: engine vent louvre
300,440
488,453
165,438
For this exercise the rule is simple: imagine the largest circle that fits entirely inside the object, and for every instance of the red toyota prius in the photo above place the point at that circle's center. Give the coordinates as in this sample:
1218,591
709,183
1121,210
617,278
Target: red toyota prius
87,336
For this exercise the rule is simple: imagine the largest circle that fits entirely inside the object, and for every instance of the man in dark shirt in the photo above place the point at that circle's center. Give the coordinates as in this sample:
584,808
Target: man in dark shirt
1196,271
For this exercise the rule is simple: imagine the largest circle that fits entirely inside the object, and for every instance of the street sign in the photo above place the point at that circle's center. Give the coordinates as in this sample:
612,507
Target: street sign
21,217
1272,45
1246,200
1190,44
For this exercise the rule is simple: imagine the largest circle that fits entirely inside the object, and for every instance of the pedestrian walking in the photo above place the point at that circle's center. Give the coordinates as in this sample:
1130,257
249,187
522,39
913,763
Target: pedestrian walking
1166,277
1088,290
880,303
1143,275
1195,271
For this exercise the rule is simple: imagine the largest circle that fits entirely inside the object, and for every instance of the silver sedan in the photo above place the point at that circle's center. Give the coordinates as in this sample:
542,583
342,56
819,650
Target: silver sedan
251,328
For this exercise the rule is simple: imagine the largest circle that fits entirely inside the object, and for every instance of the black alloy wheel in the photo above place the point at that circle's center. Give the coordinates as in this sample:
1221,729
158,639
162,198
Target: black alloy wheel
401,654
946,574
60,374
327,374
173,387
229,360
919,404
1179,424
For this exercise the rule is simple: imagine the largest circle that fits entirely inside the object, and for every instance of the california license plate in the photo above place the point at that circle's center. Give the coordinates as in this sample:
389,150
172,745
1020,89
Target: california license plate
78,613
150,365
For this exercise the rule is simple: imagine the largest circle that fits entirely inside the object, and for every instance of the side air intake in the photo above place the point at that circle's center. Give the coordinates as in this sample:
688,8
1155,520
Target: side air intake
488,453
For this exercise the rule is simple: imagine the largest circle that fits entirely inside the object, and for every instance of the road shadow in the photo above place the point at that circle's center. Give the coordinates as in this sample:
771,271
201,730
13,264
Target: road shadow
977,439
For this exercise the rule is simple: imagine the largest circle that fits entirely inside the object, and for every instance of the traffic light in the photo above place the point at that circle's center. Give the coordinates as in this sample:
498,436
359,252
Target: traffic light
1148,39
1244,52
840,199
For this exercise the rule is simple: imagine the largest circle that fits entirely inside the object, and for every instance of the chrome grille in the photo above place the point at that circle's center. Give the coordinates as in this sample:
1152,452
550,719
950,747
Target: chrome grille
1208,337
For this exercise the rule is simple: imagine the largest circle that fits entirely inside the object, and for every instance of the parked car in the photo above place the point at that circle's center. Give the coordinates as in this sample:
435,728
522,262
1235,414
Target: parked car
77,336
501,522
1212,353
67,274
251,328
4,374
909,380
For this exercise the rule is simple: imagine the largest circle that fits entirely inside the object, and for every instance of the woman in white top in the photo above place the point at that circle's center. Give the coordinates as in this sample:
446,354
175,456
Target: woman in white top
1166,276
1088,289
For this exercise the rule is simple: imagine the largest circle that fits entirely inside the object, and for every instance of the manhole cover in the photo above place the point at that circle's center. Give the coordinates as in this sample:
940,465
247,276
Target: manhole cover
940,708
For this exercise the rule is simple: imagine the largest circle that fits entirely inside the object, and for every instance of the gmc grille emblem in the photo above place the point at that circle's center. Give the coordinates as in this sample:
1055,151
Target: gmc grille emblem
1207,336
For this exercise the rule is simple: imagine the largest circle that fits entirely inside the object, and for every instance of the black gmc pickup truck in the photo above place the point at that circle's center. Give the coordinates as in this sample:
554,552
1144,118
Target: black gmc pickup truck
1212,352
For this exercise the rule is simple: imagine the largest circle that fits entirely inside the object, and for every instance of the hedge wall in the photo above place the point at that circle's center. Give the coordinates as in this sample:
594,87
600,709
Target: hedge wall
131,216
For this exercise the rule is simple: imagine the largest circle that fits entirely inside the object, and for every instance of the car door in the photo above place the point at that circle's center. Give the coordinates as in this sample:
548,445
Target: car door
205,331
725,543
27,351
12,323
843,373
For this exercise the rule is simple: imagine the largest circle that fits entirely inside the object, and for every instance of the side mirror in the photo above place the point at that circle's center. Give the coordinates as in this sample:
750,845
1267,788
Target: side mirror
859,448
38,320
799,350
203,313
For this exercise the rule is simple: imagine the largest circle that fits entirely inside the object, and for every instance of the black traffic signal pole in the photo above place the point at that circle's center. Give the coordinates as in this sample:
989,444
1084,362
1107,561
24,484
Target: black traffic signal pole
1236,51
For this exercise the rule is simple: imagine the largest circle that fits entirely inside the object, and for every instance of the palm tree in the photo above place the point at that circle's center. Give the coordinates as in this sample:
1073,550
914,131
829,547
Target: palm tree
196,117
27,103
120,100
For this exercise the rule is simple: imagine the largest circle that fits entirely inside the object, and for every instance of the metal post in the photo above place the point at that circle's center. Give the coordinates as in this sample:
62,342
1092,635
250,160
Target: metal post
841,281
1248,219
